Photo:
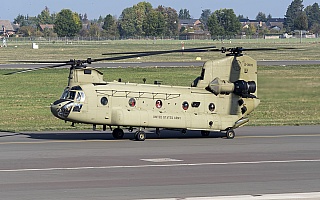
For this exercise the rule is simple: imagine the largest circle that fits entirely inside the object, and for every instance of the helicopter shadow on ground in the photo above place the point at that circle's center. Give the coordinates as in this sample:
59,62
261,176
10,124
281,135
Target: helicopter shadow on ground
99,135
8,133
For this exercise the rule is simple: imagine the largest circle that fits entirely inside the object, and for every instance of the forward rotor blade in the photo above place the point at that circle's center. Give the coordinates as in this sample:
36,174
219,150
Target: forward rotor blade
37,68
161,52
89,60
40,61
237,51
150,53
147,54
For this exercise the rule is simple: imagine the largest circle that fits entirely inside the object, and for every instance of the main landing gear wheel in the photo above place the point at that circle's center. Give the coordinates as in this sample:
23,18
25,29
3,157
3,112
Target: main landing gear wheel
140,136
230,134
117,133
205,133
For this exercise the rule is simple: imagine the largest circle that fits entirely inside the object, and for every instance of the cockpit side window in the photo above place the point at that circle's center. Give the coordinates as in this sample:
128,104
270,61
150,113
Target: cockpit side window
80,96
65,93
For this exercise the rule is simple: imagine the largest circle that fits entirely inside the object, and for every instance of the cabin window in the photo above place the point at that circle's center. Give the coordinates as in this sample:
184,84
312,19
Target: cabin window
158,103
87,71
132,102
212,107
185,105
104,101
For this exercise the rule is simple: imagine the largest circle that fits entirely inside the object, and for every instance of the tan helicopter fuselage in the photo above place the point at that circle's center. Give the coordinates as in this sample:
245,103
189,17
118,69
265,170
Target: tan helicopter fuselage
214,102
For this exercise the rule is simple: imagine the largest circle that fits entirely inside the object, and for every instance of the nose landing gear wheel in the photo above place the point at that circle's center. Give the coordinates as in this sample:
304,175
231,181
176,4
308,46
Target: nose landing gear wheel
140,136
230,134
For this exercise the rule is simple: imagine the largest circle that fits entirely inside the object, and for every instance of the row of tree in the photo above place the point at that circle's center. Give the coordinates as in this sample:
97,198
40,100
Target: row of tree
298,18
144,20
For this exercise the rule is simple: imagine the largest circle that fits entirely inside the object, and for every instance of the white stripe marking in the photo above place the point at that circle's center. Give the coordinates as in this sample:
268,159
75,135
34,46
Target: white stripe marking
284,196
159,160
159,165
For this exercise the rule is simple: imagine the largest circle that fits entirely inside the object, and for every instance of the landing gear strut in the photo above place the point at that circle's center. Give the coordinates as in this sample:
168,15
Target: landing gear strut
158,132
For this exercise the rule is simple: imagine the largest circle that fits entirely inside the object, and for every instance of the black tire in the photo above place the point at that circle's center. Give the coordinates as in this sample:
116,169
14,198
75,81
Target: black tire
205,133
117,133
230,134
140,136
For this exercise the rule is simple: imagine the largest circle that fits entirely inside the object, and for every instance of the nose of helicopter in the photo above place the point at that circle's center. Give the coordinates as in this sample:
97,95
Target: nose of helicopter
61,108
54,110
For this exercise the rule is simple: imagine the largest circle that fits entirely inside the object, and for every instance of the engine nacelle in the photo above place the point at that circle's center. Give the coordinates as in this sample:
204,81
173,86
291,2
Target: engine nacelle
240,87
244,88
218,86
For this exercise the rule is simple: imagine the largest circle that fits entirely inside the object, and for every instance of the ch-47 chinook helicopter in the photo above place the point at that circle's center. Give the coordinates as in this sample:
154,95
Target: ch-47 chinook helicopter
220,99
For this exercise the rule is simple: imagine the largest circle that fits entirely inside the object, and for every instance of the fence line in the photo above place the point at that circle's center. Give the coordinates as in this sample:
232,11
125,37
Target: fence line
175,39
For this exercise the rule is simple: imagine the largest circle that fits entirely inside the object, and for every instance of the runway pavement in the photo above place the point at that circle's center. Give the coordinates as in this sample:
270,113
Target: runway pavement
259,162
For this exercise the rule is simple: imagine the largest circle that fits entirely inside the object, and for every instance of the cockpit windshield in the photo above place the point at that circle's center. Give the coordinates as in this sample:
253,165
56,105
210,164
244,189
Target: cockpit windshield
74,94
71,95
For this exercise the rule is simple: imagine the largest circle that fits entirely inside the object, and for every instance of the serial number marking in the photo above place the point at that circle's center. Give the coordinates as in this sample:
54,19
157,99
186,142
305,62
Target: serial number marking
170,117
248,64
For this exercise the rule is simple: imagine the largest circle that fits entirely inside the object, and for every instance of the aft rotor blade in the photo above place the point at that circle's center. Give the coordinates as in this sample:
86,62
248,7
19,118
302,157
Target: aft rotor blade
266,49
37,68
237,51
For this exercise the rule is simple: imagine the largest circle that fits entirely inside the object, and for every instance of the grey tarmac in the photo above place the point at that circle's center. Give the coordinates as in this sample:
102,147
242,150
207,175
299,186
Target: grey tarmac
92,165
